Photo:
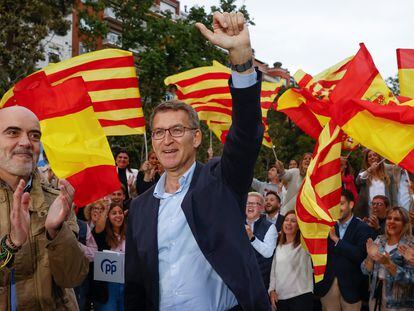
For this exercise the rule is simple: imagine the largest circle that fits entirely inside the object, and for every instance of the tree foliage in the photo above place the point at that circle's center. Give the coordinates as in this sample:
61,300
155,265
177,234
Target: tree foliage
165,46
23,26
394,84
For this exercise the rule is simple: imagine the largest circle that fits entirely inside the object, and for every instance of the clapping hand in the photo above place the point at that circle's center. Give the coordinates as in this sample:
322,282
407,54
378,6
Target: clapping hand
249,232
407,252
373,222
19,215
60,208
372,248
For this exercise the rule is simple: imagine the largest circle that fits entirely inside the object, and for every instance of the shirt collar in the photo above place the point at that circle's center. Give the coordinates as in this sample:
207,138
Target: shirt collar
272,218
346,224
184,181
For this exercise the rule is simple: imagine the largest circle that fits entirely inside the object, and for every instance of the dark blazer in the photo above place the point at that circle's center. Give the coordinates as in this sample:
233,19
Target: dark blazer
214,207
344,262
279,222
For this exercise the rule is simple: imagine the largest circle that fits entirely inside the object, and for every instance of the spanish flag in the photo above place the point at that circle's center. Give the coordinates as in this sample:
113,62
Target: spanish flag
388,130
74,141
378,121
206,89
363,81
317,206
112,84
405,60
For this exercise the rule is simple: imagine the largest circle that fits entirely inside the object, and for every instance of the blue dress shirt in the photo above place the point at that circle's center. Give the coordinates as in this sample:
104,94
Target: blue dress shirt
187,280
342,227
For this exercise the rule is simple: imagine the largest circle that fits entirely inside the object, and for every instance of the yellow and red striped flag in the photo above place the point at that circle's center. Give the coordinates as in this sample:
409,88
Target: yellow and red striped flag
206,89
74,141
405,60
308,105
112,84
317,205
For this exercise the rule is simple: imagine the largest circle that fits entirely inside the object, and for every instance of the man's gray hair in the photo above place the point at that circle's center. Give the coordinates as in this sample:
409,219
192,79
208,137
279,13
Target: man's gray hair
176,105
258,195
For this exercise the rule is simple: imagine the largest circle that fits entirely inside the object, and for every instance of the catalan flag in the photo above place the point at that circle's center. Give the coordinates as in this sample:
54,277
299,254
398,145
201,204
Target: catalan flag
317,205
308,105
405,60
219,129
74,141
206,90
111,83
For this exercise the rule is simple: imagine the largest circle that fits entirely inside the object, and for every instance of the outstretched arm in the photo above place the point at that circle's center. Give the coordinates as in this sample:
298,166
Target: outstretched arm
244,138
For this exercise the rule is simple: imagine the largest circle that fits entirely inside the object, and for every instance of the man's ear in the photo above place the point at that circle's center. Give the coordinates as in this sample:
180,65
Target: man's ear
351,205
197,138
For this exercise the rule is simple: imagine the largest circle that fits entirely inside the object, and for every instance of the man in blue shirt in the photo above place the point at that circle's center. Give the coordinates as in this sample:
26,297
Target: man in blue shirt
186,246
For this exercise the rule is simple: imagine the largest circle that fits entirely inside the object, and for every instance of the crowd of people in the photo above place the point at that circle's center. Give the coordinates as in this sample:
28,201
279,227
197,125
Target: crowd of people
370,258
195,236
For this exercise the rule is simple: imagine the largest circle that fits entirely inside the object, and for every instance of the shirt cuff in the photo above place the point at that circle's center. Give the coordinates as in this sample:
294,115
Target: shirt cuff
241,81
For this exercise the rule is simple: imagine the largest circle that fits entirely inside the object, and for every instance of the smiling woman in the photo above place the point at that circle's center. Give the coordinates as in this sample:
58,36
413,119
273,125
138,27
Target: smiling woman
291,278
392,277
112,238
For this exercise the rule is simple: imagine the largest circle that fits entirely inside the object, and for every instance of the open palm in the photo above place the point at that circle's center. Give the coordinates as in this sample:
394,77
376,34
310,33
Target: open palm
60,208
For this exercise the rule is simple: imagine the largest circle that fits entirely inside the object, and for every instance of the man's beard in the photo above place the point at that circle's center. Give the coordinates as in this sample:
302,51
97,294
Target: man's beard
344,215
272,210
24,169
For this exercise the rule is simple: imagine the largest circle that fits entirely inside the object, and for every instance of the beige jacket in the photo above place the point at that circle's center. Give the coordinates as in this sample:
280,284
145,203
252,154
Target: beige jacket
294,180
45,271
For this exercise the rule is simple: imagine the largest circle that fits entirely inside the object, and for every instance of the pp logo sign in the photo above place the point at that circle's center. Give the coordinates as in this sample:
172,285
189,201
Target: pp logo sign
108,266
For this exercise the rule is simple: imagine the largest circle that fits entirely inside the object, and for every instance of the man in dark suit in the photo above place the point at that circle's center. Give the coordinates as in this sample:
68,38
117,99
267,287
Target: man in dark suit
272,209
186,245
344,285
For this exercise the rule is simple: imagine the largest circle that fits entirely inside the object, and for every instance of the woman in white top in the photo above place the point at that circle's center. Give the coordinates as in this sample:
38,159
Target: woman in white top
291,278
375,179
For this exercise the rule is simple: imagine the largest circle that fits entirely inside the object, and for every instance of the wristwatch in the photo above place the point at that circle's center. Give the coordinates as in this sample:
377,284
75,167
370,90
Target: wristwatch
243,67
252,239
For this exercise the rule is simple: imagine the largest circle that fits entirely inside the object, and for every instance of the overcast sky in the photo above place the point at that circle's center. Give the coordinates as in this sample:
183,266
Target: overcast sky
313,35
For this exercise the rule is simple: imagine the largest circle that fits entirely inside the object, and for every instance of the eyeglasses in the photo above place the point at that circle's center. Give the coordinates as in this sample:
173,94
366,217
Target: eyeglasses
253,204
175,131
377,204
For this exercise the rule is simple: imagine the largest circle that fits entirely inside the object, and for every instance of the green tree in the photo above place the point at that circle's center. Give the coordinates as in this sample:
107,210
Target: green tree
23,26
394,84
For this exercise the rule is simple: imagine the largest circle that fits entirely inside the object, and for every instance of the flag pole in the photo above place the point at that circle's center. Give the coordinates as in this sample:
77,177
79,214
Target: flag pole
347,156
274,152
211,140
